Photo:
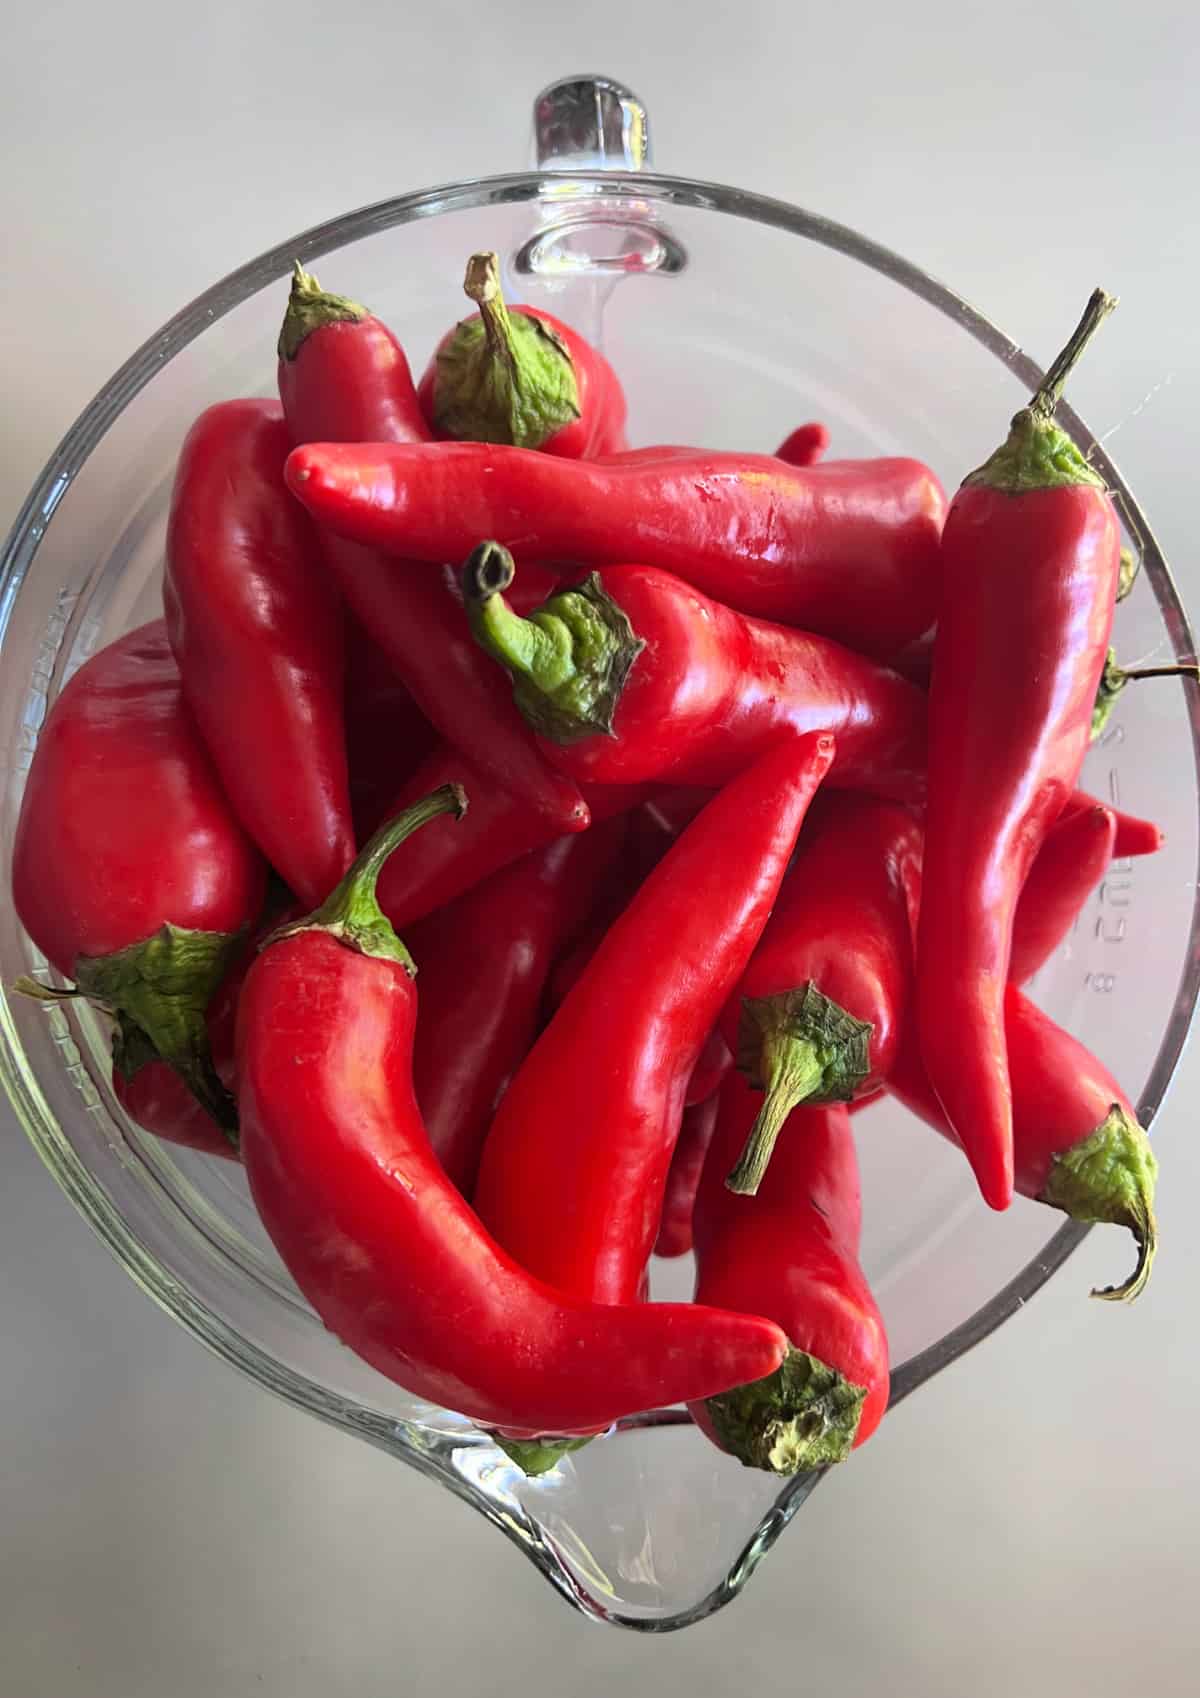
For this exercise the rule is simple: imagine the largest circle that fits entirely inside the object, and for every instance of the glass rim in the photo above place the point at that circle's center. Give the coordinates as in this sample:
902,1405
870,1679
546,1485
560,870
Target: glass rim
93,422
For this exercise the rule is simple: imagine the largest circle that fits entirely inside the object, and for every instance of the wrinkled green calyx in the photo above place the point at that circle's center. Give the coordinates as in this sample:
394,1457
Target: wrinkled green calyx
569,660
502,377
1038,453
310,308
1109,1177
798,1046
159,991
537,1456
352,913
803,1416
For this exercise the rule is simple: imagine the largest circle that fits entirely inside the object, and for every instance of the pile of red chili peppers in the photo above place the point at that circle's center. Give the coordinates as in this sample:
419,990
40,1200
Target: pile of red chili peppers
717,795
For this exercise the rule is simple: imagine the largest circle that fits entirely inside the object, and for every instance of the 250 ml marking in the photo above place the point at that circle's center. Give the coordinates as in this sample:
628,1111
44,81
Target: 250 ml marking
1116,891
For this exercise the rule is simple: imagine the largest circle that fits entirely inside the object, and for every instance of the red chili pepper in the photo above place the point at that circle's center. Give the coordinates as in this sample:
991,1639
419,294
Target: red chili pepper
256,627
1077,1143
374,1233
850,549
352,371
484,962
805,446
520,376
633,675
347,379
129,870
816,1016
1134,836
574,1167
1071,862
683,1177
447,859
791,1251
1030,556
387,735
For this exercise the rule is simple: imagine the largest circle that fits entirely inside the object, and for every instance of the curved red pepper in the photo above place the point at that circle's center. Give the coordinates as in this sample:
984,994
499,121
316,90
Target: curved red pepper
383,1246
633,675
345,379
446,859
255,624
683,1177
850,548
1072,860
1077,1144
129,869
574,1167
816,1016
1134,836
483,962
791,1251
519,375
1031,553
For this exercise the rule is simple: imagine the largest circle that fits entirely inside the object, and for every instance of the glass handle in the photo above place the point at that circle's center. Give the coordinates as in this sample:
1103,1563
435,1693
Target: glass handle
588,229
590,124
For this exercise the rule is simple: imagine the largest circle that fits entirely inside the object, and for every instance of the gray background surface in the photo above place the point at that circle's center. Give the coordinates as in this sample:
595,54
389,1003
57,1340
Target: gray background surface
1027,1525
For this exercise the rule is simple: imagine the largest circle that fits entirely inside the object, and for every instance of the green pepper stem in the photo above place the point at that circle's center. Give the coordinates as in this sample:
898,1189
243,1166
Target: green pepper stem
530,652
482,285
1049,392
569,660
803,1416
351,913
1181,669
1110,1176
793,1070
537,1456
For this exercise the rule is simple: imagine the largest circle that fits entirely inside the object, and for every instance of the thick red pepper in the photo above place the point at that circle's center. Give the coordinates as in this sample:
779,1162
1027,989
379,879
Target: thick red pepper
791,1251
850,548
520,376
633,675
255,623
805,446
816,1016
683,1177
1077,1144
346,379
376,1236
1030,556
446,859
483,963
1071,862
129,870
574,1167
1134,836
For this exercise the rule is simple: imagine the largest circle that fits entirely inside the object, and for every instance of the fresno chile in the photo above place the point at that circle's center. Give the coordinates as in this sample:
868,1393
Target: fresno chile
446,859
1074,857
484,961
575,1164
850,548
1030,558
791,1252
816,1016
1077,1144
520,376
633,675
376,1236
255,624
345,378
130,871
